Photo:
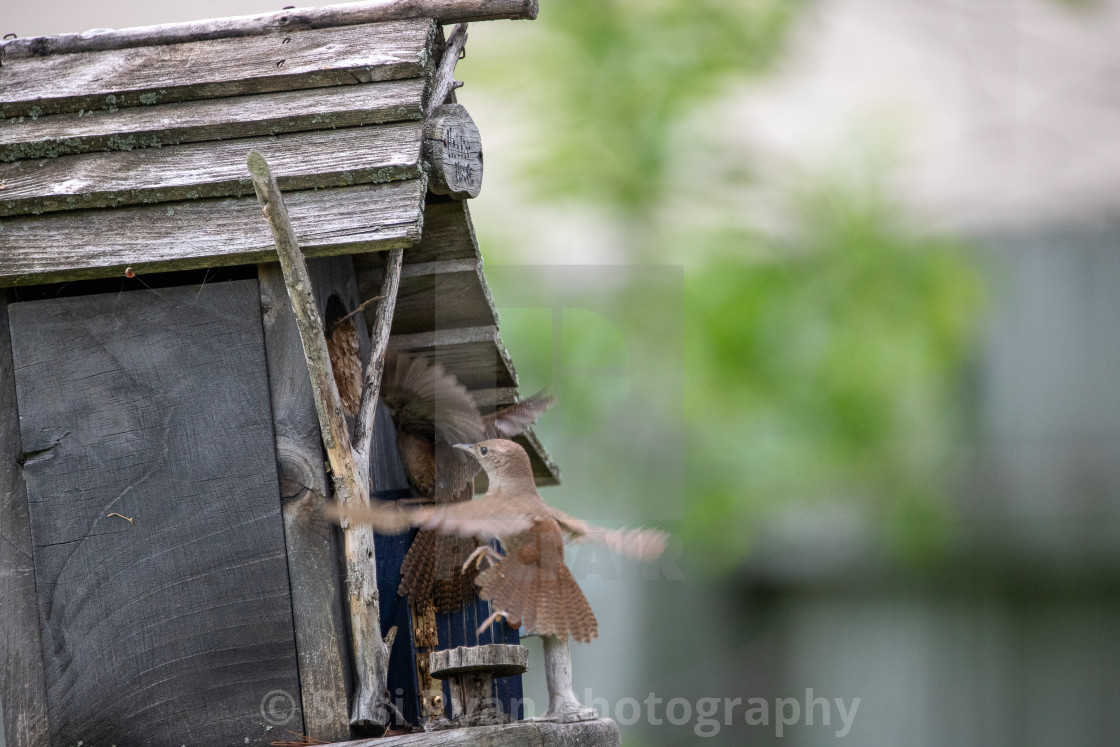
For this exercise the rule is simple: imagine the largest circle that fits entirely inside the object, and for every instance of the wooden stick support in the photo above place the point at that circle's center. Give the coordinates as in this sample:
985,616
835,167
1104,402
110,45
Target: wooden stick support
471,670
349,470
444,81
563,707
344,14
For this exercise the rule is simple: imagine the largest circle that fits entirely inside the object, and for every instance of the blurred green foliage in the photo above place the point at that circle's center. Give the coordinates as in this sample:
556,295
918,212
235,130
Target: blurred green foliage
819,363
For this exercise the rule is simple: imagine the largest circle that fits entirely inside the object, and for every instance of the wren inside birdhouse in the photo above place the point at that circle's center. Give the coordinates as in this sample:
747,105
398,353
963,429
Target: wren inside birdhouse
166,572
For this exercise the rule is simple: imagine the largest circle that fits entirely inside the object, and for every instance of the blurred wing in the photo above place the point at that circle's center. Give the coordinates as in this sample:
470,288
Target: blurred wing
640,544
426,398
485,517
512,420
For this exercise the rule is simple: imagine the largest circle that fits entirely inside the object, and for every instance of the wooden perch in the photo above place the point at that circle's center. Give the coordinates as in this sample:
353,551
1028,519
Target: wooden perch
349,465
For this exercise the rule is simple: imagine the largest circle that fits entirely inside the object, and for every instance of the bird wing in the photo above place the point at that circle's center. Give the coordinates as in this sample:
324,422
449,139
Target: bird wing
484,517
512,420
640,544
426,398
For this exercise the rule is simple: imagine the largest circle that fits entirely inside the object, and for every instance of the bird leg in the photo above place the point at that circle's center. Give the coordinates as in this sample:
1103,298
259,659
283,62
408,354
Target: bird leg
497,615
480,553
562,704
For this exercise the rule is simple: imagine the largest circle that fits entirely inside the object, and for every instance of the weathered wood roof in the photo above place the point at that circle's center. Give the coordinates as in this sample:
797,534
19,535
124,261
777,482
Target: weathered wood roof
126,150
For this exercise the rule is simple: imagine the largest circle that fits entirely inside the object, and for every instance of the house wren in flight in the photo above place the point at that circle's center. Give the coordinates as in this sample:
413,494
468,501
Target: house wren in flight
432,410
530,585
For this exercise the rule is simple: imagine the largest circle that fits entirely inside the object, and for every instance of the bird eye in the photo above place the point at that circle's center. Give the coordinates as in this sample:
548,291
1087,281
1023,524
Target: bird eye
482,450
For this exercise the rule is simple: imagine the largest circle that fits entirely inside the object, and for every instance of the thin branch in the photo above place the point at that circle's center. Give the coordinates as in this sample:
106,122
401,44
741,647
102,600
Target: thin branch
328,403
361,307
382,326
445,73
350,473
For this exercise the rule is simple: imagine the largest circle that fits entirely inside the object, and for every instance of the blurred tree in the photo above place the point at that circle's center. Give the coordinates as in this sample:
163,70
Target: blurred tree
820,360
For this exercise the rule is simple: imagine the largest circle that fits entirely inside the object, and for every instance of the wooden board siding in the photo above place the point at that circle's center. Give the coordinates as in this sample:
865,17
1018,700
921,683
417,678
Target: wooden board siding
309,160
171,628
311,545
204,233
213,119
438,295
23,709
472,353
277,61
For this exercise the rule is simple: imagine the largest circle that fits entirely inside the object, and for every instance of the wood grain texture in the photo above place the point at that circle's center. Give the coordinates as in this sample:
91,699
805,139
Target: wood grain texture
443,80
204,233
311,160
599,733
274,61
453,152
312,550
444,11
172,628
23,694
473,354
448,233
212,119
440,295
369,713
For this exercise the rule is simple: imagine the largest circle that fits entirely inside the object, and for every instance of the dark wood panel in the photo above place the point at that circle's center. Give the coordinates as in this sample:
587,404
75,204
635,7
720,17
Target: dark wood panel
309,160
211,119
204,233
312,548
276,61
170,628
23,695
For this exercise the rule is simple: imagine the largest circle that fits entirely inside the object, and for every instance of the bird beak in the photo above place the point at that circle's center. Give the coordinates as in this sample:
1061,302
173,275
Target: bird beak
469,448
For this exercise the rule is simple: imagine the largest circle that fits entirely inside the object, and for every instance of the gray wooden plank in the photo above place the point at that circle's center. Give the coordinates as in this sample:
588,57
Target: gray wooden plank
598,733
23,694
448,234
275,61
212,119
310,541
204,233
306,160
174,627
474,354
439,295
289,19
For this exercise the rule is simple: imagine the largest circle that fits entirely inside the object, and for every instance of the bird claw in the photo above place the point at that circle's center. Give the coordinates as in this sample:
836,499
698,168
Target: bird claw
495,617
482,552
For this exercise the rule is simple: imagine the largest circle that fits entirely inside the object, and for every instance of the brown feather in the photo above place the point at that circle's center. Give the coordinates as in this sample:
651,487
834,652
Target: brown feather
431,411
532,584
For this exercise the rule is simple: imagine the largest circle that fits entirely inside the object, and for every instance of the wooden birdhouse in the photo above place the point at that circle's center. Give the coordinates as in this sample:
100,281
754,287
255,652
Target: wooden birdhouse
166,574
